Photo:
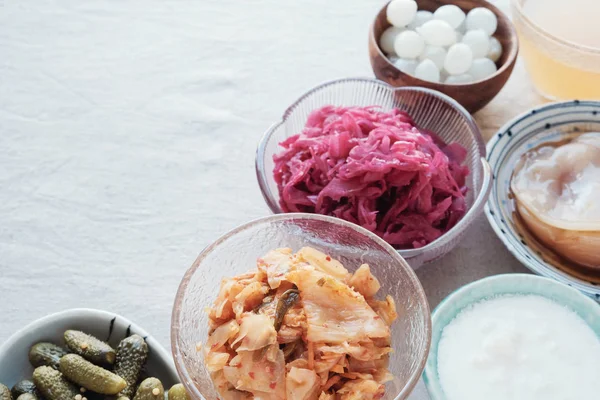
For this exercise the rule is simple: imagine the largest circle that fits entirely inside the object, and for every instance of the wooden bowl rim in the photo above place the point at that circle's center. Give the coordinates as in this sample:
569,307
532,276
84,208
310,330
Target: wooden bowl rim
509,63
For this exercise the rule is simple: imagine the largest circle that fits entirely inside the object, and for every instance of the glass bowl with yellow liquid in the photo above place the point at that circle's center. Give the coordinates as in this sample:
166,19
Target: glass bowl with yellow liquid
560,43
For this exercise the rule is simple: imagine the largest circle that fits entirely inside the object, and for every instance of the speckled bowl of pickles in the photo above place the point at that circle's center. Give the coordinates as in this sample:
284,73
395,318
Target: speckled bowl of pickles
86,354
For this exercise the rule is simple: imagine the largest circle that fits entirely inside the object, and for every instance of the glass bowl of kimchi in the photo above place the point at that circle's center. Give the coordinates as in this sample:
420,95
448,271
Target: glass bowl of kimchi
445,123
243,249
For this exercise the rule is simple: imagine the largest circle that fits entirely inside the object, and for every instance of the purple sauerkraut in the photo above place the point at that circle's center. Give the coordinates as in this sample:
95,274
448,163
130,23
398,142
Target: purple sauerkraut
375,169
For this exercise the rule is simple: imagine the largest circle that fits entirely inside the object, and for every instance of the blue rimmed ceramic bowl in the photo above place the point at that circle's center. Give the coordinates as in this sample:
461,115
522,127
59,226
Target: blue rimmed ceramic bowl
547,123
499,285
107,326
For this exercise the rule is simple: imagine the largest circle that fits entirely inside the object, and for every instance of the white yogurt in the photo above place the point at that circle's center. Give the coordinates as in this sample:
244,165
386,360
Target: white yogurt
519,348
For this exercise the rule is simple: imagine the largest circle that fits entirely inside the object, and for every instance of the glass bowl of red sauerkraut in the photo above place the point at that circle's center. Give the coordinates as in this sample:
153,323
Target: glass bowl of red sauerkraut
407,164
332,313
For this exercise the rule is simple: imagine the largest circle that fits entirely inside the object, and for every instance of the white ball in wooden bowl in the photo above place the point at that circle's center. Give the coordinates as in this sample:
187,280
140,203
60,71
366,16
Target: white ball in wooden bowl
437,33
428,71
478,41
450,13
481,68
401,12
388,37
482,18
459,59
409,44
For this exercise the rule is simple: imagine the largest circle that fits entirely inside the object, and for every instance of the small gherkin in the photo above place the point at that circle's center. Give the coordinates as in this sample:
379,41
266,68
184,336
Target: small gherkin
90,348
23,387
47,354
5,393
132,354
53,385
90,376
27,396
150,389
178,392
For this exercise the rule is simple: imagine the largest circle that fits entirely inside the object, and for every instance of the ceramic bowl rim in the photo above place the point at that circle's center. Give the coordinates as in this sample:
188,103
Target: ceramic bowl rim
497,228
411,275
430,377
36,325
463,223
510,59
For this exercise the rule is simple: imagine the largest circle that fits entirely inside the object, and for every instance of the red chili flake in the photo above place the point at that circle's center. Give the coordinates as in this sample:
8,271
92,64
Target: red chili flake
251,374
239,365
325,325
376,317
328,258
272,385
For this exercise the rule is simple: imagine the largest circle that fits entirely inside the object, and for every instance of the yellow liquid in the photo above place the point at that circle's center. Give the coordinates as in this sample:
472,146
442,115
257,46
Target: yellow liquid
556,80
548,63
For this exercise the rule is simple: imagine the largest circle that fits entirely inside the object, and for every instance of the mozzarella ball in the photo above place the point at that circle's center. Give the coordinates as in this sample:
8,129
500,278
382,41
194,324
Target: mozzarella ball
387,39
459,59
495,49
409,44
478,41
482,18
482,68
459,79
421,17
427,71
437,33
452,14
436,54
401,12
406,65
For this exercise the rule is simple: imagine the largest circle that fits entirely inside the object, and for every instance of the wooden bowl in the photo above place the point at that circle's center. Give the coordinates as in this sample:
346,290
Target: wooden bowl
473,96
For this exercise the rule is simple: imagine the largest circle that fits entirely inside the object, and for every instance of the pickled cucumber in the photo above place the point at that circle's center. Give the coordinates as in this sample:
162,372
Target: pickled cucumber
132,354
90,348
27,396
90,376
177,392
5,393
53,385
47,354
22,387
150,389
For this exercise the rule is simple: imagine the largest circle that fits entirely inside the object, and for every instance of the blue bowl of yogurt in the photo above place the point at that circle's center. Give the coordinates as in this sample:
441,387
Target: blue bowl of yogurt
514,336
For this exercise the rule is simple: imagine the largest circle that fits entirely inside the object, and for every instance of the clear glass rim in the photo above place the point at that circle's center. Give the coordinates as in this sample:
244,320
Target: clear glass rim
517,6
412,276
261,173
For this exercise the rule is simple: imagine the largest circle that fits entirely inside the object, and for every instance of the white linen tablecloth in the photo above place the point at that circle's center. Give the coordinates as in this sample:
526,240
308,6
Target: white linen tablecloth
127,138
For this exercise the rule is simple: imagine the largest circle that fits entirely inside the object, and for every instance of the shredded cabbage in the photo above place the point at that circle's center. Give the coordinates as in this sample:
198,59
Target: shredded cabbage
375,169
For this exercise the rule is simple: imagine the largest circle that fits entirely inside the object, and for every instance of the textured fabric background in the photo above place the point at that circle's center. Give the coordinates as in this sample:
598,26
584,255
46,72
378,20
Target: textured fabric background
127,138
